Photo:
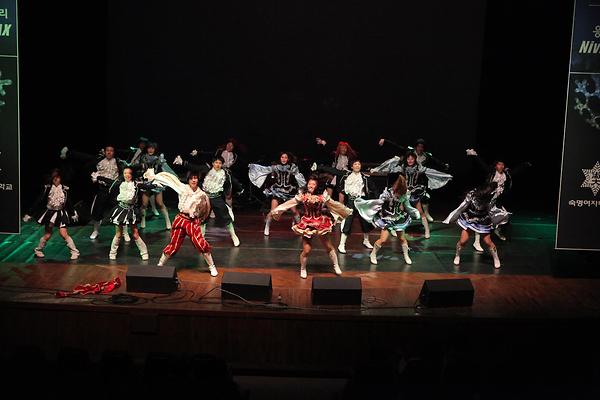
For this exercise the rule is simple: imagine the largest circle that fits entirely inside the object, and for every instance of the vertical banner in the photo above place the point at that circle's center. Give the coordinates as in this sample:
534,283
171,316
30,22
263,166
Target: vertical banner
9,119
578,223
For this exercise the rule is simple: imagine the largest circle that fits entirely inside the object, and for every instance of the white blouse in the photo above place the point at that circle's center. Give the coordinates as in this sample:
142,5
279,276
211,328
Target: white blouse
56,198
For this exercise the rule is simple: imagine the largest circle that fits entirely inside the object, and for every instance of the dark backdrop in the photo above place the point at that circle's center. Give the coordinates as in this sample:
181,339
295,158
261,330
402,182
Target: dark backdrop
277,74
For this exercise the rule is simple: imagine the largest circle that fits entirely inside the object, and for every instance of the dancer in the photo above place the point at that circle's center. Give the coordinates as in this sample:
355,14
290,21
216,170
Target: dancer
343,157
107,171
287,179
194,207
135,155
216,184
418,180
352,186
229,154
314,222
127,212
53,209
478,212
158,163
424,158
497,172
391,213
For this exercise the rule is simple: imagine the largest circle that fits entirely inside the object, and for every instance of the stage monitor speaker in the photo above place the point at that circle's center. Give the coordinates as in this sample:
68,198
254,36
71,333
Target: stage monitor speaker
151,279
250,286
447,293
336,290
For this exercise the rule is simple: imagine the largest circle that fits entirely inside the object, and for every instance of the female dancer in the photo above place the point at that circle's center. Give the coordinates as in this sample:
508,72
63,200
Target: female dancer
228,152
391,213
418,180
287,178
216,184
53,208
343,157
127,212
425,159
478,212
107,171
314,222
497,172
352,186
151,159
194,207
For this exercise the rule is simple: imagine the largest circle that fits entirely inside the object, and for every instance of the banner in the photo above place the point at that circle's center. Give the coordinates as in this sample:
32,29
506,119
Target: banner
9,119
578,222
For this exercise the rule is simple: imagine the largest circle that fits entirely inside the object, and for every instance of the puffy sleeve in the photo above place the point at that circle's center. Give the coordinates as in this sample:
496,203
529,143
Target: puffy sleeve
164,165
258,174
453,216
165,179
338,211
280,209
368,209
391,165
499,216
435,178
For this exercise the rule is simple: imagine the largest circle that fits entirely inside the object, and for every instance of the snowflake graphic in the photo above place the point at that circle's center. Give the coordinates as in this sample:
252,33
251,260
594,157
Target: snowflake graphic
584,108
592,178
3,82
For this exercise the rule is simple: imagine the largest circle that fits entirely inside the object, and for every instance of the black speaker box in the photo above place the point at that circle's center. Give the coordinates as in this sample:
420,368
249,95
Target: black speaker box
250,286
151,279
336,291
447,293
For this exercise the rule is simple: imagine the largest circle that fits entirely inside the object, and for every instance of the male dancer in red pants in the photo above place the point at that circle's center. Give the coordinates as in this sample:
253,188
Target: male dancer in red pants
194,207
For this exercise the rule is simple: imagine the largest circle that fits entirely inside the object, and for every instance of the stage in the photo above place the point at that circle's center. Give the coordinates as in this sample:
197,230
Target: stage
527,295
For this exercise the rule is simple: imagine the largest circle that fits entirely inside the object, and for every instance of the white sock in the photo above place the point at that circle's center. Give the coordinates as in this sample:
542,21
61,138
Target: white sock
303,262
236,240
165,213
114,246
163,259
334,261
71,246
142,247
405,252
366,241
342,245
41,244
373,256
457,254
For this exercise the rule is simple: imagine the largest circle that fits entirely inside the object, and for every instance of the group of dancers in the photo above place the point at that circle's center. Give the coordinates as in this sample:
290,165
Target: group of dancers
126,186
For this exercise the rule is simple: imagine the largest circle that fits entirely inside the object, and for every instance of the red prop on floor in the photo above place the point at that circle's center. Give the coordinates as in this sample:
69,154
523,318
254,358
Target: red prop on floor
96,288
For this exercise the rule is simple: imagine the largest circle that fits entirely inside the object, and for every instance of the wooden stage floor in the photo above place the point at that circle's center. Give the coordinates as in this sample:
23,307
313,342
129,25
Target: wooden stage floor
530,292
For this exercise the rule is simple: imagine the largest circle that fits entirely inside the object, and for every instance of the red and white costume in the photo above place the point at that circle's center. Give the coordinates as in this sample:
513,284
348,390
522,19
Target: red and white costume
314,221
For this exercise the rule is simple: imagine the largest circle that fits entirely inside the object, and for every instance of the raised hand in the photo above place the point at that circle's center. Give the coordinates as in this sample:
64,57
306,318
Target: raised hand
149,174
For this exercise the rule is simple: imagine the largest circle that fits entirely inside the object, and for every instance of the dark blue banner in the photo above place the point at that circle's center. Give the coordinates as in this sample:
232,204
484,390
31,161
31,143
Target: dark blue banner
9,119
579,202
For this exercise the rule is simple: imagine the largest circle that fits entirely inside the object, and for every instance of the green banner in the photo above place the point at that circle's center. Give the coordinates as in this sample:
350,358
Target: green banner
9,119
